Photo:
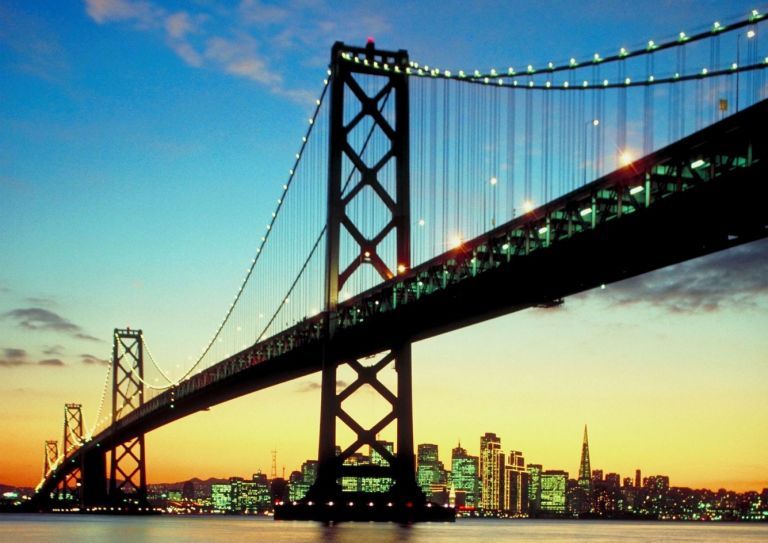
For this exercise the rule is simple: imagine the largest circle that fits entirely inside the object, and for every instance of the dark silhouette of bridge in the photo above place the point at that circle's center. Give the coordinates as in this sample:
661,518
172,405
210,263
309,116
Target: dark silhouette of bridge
703,192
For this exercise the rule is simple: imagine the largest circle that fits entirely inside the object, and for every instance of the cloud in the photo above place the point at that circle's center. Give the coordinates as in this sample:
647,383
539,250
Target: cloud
14,354
249,41
93,360
12,358
39,319
53,350
737,277
143,14
55,362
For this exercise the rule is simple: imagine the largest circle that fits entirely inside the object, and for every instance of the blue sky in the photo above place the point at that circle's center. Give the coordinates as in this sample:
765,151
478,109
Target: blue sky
142,146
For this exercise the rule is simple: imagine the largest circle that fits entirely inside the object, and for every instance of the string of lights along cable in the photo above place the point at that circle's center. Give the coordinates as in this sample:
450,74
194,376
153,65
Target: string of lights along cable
486,147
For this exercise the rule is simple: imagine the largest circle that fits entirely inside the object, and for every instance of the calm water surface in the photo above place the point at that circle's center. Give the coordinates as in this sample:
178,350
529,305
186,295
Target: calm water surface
76,529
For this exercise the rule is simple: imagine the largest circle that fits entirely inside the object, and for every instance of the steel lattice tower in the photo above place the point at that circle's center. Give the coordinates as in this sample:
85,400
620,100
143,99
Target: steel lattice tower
73,439
128,466
400,466
51,454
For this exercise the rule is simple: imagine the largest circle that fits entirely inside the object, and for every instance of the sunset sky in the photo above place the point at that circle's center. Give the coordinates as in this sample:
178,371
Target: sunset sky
140,144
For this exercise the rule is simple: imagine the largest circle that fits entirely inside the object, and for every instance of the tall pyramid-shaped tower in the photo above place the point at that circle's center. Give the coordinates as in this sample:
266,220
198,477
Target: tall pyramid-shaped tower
585,473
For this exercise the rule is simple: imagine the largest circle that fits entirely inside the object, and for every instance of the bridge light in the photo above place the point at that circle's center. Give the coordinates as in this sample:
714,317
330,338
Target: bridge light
696,164
586,211
494,181
543,230
635,190
456,242
527,206
421,222
625,157
750,34
401,268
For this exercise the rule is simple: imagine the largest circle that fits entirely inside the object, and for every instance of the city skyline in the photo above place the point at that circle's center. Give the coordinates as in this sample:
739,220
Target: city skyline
671,367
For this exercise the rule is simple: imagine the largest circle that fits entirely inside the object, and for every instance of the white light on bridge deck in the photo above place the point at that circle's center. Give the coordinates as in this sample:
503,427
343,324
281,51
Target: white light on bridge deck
697,164
635,190
527,206
625,158
586,211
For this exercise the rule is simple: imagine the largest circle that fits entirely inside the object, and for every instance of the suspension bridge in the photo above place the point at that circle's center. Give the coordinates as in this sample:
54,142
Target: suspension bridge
422,200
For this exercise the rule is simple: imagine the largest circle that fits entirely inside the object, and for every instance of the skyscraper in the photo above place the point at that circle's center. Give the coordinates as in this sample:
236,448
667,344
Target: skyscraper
553,487
585,473
534,488
491,473
464,471
430,473
515,498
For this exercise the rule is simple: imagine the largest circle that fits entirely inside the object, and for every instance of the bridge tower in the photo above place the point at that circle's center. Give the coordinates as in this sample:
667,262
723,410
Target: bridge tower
128,478
73,439
397,467
51,454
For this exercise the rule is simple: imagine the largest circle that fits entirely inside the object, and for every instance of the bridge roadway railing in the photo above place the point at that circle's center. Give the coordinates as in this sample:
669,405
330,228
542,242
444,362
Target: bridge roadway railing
734,144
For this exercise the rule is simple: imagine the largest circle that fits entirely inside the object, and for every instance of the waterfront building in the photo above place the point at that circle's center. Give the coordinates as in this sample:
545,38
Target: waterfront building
491,473
221,497
464,478
553,490
534,488
585,474
515,498
378,484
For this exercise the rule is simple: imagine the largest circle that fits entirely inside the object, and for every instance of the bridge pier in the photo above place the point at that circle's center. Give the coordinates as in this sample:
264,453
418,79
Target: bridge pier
94,479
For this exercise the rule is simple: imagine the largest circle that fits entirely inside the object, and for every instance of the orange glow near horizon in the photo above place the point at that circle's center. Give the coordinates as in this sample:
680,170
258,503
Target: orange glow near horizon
677,409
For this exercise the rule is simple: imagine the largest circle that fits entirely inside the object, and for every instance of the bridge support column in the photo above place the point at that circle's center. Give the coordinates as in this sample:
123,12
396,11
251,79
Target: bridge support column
94,478
73,438
384,488
127,472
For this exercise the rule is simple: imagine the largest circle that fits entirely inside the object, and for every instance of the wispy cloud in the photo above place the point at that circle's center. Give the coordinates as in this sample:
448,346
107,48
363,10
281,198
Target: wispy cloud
91,360
56,362
734,278
250,40
53,350
37,318
13,358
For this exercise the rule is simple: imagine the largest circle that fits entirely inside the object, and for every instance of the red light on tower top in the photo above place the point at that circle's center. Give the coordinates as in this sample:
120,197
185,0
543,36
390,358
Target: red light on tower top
370,41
